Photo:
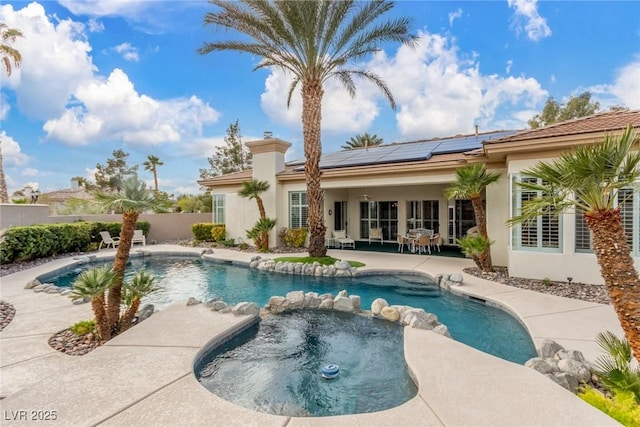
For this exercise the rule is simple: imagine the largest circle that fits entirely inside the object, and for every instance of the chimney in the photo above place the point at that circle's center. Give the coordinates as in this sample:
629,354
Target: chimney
268,134
476,131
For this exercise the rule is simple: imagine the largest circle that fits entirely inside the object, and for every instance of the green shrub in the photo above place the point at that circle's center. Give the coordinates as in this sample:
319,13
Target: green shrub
218,232
615,368
228,242
203,231
293,237
622,408
83,327
546,281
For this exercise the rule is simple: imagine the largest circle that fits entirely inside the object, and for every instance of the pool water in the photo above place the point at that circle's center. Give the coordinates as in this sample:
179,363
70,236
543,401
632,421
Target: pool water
275,367
474,323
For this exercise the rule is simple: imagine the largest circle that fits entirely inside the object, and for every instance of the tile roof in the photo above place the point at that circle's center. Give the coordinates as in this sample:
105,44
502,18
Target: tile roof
601,122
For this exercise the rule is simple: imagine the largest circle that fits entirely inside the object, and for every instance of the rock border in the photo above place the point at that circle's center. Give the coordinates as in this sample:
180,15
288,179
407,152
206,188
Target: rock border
339,269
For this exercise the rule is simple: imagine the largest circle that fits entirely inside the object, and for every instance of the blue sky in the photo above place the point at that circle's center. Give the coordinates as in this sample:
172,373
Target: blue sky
100,75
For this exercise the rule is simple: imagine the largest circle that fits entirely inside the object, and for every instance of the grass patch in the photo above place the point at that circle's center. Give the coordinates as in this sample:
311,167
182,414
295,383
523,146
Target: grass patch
325,260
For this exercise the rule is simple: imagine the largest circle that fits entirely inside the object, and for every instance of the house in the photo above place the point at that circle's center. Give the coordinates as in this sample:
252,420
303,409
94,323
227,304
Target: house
401,186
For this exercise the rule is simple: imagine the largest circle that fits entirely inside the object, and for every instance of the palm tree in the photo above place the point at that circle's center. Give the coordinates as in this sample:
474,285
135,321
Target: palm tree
134,289
589,180
152,164
93,283
252,190
470,182
9,54
362,141
313,41
132,199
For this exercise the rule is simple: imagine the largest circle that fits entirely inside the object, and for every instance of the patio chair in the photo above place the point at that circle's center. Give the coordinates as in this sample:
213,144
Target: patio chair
423,244
342,240
436,241
375,234
108,240
402,241
138,237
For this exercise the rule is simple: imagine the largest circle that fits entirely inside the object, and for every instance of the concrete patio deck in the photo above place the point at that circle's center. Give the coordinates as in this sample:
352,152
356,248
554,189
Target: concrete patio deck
145,376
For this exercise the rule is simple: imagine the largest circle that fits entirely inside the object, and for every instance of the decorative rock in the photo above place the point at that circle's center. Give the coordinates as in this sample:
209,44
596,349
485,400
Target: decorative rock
326,304
254,264
208,303
456,278
225,310
442,330
341,265
570,354
54,290
377,305
575,369
40,288
312,300
192,301
342,293
32,284
65,292
390,313
256,258
218,306
206,251
544,366
246,308
419,323
82,259
295,300
144,313
318,271
355,299
565,380
81,301
549,348
341,303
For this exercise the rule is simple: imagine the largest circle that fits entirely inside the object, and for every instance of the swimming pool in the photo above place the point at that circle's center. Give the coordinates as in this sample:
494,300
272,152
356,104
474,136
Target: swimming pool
474,323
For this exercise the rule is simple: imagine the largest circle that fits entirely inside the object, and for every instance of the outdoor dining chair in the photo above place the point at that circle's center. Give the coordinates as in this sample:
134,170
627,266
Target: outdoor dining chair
107,240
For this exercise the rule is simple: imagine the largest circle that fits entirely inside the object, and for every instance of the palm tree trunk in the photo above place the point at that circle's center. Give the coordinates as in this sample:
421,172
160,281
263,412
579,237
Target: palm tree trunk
263,213
114,299
130,314
155,178
481,222
4,195
616,266
312,93
97,305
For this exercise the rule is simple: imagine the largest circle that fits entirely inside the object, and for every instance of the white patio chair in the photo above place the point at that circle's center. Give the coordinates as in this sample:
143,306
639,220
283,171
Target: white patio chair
341,239
138,237
108,240
375,234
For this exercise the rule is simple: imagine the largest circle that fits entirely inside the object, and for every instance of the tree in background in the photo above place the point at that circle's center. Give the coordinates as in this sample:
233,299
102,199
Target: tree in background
9,55
596,179
151,164
189,204
553,111
362,141
231,157
313,41
84,183
470,182
111,175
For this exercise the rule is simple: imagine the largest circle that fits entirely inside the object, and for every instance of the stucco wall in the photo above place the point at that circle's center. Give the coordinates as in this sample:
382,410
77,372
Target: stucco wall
497,210
170,226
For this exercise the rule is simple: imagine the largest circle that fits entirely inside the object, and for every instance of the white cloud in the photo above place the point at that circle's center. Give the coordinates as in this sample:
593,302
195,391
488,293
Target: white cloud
11,152
95,26
526,14
129,52
55,59
509,65
454,15
30,172
112,109
553,78
104,8
4,106
626,86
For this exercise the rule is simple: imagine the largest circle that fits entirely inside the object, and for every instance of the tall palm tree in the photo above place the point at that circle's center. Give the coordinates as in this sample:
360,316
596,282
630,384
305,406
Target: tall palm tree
470,182
132,199
589,179
93,283
362,141
252,190
313,41
151,164
9,54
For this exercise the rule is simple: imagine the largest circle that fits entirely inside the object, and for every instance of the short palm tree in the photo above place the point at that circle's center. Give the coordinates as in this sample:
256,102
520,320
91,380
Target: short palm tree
313,41
362,141
132,199
589,179
151,164
133,290
470,182
252,190
93,283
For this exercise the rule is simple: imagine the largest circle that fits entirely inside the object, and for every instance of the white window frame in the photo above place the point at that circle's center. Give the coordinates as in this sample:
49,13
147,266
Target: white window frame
219,209
298,209
536,225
